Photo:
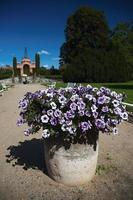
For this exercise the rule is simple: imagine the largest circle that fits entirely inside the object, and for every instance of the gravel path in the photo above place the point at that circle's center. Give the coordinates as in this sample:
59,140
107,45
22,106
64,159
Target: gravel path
25,177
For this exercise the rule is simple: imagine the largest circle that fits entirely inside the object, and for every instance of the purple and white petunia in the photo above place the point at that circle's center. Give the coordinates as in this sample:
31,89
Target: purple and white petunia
53,121
50,112
115,103
44,119
73,106
105,109
100,124
115,131
57,113
85,126
94,108
45,133
62,99
124,115
101,100
53,105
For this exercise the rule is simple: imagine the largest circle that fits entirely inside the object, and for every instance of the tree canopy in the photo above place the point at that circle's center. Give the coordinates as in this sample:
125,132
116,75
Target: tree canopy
91,52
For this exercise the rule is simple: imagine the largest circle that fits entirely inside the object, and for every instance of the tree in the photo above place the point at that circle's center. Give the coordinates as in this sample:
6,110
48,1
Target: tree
86,28
15,66
122,37
92,53
37,63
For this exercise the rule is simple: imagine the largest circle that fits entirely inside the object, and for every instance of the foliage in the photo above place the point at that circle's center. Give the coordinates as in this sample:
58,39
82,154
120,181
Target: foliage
37,63
72,113
91,53
15,66
5,73
122,37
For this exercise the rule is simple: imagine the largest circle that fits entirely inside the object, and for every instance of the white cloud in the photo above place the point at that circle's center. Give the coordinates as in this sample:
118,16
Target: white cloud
43,52
46,66
57,58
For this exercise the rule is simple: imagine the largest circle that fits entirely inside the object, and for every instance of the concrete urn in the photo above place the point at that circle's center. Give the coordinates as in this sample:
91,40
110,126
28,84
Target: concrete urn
71,166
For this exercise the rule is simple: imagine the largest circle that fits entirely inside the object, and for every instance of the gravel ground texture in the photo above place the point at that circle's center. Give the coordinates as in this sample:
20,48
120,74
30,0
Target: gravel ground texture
23,174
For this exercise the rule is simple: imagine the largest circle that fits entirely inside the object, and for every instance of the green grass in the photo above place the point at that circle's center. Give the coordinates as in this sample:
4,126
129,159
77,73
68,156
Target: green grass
125,88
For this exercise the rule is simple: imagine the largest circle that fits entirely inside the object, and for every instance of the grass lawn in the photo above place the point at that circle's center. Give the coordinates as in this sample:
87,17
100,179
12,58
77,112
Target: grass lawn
125,88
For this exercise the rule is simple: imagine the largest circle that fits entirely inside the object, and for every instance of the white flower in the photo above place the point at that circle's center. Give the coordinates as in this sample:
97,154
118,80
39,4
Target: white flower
62,120
64,127
115,131
53,105
45,133
88,96
124,115
50,95
71,130
50,112
44,119
93,108
113,94
107,99
74,97
62,99
89,86
94,89
115,103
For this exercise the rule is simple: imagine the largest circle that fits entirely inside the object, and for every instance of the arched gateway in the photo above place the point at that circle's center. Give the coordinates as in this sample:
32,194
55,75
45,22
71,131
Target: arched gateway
26,66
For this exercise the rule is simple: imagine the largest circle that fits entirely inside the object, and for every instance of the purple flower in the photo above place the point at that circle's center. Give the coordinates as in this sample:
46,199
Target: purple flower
87,113
53,121
20,122
105,109
101,100
62,99
68,122
69,114
44,119
117,111
81,112
61,121
100,124
81,105
73,106
57,113
95,114
23,104
50,112
27,132
85,126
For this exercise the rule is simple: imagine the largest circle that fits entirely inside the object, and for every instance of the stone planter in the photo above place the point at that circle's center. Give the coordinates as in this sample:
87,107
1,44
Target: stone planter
73,166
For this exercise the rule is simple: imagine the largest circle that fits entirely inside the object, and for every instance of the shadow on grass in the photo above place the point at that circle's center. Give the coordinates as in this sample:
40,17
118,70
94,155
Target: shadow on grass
29,154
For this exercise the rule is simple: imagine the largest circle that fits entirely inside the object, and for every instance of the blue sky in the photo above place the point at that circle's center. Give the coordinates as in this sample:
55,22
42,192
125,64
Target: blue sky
39,25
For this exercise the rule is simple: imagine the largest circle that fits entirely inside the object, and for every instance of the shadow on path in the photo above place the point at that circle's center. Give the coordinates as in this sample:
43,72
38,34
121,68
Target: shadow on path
29,154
